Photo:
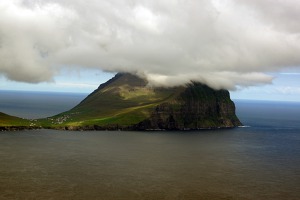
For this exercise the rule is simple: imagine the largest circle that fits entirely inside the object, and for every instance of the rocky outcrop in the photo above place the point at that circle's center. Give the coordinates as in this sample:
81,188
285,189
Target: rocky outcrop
197,107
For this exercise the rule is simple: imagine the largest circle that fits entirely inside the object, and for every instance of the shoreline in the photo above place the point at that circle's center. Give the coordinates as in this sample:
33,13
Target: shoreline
98,128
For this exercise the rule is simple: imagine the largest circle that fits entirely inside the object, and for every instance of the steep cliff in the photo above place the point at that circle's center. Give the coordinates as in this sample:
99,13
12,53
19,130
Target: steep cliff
127,102
197,106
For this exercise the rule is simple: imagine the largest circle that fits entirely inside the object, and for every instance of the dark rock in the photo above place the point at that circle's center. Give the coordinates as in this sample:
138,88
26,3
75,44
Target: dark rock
197,107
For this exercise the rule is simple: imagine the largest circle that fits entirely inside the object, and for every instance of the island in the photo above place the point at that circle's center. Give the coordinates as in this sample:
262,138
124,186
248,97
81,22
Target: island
128,102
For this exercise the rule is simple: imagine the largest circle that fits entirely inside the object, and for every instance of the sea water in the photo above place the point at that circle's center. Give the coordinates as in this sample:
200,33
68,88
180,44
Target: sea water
259,161
33,105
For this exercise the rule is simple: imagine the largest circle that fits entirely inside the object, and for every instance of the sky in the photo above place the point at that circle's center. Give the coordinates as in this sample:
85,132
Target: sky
250,47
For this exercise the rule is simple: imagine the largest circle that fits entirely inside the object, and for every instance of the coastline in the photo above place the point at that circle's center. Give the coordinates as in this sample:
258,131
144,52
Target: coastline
100,128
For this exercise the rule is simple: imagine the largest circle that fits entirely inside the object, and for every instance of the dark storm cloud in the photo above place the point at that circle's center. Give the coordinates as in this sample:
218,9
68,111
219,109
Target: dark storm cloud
224,43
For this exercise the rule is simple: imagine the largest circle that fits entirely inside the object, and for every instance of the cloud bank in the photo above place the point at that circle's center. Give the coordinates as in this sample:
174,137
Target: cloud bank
222,43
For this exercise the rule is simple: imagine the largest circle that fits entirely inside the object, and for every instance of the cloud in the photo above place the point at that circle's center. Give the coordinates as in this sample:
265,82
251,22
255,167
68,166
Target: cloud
77,85
288,90
225,44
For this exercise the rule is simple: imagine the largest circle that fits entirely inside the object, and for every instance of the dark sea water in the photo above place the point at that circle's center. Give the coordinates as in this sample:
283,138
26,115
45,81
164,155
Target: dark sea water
34,105
259,161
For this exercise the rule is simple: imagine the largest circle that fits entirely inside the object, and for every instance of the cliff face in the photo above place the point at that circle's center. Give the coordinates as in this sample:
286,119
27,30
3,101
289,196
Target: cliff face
126,102
196,107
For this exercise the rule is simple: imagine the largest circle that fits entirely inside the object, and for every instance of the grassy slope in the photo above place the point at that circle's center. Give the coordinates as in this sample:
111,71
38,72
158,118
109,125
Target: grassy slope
7,120
125,100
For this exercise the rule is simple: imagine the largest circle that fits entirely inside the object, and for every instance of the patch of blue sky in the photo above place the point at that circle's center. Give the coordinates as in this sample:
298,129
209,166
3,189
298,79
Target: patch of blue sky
285,87
83,81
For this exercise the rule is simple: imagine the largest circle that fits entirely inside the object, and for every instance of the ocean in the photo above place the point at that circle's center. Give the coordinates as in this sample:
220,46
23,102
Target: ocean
258,161
33,105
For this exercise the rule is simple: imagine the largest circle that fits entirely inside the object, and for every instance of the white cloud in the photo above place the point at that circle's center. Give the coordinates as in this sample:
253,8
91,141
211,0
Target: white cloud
288,90
77,85
224,44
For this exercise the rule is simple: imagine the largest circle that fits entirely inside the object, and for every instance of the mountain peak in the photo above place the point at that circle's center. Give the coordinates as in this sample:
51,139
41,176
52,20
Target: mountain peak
124,79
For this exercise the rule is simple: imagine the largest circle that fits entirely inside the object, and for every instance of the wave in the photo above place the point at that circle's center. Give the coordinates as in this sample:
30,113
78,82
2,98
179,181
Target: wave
244,126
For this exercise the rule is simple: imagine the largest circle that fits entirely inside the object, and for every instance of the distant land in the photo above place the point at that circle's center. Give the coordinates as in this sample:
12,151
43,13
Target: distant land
126,102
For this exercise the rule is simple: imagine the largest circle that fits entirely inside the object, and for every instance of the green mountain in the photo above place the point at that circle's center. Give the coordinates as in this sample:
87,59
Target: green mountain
127,102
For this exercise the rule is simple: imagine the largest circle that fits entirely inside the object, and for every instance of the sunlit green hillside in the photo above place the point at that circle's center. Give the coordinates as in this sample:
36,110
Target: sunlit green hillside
7,120
124,100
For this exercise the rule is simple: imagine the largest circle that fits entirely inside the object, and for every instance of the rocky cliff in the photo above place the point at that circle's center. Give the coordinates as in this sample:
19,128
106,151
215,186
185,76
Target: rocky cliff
196,107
